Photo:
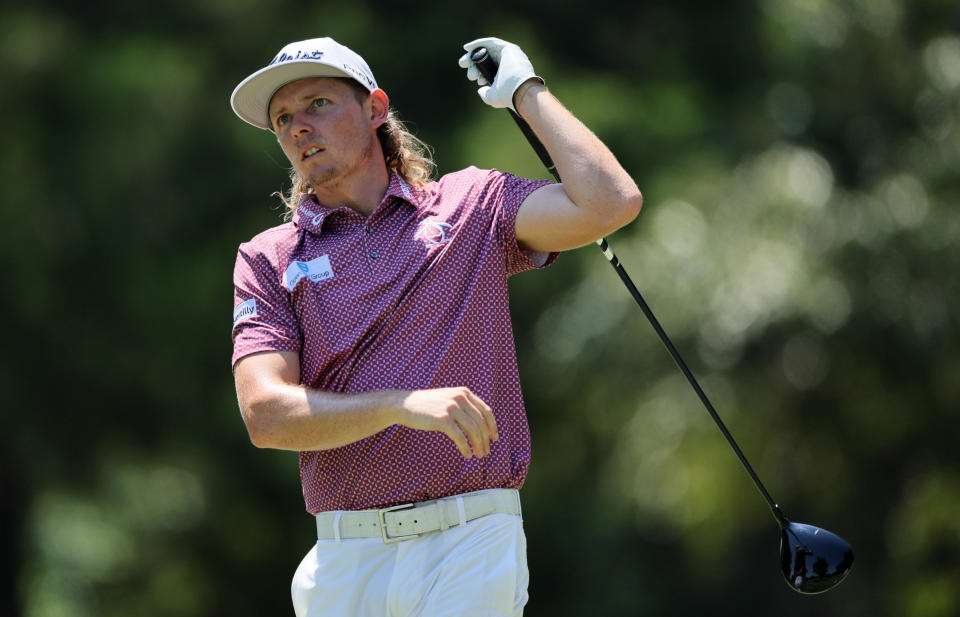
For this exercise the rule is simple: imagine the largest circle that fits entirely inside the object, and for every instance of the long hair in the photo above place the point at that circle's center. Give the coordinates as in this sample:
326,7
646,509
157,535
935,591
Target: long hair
403,152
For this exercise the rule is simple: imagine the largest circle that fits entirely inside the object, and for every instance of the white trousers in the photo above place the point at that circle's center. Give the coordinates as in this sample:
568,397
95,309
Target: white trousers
475,570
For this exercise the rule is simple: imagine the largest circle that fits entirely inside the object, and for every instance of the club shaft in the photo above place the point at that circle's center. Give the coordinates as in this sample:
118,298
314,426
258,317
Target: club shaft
488,69
628,282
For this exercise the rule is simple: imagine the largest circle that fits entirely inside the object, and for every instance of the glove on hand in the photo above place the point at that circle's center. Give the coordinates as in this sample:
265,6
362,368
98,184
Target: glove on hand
514,69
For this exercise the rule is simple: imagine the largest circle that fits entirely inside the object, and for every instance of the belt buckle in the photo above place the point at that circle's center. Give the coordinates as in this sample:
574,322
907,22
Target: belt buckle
383,524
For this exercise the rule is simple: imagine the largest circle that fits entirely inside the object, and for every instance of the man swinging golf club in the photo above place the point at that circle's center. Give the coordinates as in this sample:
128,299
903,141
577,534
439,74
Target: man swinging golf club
372,331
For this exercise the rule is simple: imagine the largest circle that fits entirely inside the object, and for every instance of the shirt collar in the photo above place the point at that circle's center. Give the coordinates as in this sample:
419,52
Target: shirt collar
310,214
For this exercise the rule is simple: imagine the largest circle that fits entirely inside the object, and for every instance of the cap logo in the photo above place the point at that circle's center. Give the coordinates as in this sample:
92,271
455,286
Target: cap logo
301,55
359,75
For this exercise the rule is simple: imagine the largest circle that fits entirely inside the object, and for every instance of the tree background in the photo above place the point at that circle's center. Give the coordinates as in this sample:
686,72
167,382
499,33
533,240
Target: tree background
799,242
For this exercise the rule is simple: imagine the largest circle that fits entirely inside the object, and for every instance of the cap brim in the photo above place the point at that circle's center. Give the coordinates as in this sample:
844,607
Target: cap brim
251,98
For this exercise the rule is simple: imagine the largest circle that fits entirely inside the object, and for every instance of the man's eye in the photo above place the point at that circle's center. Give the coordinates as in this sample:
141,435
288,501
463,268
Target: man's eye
320,102
283,119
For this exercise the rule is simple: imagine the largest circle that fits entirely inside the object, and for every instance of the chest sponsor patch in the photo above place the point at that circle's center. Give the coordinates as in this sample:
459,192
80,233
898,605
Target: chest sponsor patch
433,232
245,310
314,270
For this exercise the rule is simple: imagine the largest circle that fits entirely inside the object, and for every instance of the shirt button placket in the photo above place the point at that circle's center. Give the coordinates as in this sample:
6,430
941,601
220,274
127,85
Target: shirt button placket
368,241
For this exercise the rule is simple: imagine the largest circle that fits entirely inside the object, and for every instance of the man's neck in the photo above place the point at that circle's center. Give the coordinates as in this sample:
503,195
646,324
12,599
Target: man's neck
362,194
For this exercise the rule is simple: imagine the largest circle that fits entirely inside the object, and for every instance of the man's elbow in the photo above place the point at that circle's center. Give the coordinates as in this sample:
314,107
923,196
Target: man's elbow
258,420
632,207
627,209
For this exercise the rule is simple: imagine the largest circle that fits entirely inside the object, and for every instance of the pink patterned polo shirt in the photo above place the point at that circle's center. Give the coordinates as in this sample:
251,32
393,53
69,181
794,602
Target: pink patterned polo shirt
412,297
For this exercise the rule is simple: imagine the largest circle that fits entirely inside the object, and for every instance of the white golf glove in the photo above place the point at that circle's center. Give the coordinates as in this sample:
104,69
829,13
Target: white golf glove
514,69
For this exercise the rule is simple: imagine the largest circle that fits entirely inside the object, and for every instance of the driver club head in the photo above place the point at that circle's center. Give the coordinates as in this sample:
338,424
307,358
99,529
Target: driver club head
813,560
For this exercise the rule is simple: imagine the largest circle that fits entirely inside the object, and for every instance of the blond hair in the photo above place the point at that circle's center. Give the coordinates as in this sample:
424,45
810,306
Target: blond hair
403,152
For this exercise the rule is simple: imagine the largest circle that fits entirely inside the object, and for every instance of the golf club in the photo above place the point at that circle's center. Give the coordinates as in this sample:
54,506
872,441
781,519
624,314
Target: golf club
812,559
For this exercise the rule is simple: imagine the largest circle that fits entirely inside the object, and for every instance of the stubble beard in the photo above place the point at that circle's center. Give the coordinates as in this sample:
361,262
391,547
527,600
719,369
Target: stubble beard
334,175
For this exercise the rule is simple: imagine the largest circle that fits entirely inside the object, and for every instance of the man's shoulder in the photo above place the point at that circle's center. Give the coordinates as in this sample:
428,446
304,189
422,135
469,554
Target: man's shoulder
268,250
485,184
272,242
468,181
467,175
477,176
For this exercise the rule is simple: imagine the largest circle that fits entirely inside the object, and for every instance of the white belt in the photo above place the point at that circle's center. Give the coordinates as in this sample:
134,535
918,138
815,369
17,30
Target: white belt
407,521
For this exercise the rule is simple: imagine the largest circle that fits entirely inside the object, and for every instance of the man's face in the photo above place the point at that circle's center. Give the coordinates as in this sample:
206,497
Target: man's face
327,134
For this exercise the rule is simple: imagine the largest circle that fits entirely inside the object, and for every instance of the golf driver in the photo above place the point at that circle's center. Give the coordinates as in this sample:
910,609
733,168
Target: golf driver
812,559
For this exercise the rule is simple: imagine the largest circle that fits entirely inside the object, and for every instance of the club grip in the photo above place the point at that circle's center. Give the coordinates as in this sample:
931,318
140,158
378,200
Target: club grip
488,68
484,63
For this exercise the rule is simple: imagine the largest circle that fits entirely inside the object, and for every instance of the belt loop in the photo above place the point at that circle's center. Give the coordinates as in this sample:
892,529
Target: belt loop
441,516
460,511
336,525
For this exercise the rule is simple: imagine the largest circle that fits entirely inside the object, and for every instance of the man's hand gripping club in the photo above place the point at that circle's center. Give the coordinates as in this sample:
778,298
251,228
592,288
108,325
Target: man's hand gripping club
515,70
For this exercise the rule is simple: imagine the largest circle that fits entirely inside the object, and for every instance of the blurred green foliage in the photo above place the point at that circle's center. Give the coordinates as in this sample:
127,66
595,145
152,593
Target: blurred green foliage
801,166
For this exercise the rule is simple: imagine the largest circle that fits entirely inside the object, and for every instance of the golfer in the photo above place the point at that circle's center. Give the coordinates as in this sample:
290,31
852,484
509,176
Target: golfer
372,331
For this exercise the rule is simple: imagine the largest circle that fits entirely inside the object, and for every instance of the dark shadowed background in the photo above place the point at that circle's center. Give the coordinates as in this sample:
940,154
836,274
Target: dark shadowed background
800,241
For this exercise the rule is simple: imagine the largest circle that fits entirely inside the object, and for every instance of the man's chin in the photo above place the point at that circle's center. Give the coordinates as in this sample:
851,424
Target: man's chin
319,178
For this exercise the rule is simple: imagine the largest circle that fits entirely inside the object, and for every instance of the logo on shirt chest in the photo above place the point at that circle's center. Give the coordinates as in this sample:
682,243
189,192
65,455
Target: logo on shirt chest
433,232
315,270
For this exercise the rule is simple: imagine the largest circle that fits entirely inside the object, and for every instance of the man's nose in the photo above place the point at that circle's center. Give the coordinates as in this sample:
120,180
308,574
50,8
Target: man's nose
300,124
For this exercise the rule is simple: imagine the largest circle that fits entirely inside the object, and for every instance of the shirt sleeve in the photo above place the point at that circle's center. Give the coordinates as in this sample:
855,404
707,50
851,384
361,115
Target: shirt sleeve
512,191
263,317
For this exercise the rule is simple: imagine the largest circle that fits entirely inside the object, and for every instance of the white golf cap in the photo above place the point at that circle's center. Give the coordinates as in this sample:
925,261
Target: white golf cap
311,58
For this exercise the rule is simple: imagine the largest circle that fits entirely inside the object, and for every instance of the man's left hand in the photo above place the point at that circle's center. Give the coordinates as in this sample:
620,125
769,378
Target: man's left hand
514,69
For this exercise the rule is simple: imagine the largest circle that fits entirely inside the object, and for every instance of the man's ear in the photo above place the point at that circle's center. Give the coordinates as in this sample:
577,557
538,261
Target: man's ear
379,107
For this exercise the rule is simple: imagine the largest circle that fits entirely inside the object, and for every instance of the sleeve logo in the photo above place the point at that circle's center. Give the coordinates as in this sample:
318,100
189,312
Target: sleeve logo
245,310
316,270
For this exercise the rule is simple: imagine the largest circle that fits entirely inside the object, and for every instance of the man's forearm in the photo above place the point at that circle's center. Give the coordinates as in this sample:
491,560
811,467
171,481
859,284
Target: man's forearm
592,177
292,417
286,416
